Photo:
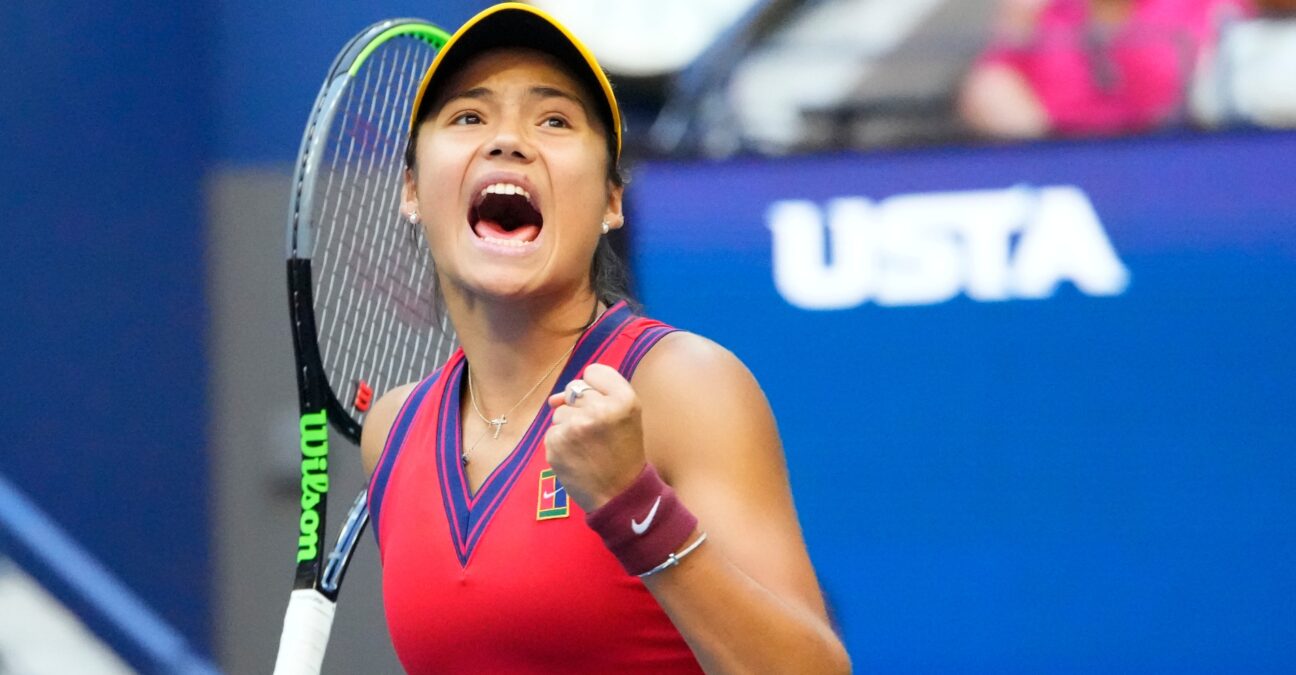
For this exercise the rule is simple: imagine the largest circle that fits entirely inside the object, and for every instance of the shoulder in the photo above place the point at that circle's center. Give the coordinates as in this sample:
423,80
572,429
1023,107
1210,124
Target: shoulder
701,405
683,354
687,368
378,423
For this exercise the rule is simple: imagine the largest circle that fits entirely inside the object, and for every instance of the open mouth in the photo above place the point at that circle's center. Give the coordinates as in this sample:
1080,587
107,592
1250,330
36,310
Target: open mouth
503,214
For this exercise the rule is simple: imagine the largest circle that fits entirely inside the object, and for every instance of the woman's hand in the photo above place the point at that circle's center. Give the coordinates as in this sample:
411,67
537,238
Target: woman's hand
595,441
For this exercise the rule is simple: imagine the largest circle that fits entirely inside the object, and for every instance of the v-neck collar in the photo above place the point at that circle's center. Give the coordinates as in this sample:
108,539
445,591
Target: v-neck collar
469,514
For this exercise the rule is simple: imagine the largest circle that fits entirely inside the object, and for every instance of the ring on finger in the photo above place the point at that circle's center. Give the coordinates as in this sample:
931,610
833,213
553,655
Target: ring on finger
575,390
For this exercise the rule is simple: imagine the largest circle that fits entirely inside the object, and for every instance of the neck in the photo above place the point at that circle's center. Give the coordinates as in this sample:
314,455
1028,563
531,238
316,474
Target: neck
510,345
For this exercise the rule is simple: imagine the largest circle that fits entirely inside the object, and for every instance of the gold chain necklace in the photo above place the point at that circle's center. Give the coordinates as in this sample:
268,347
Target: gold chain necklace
498,423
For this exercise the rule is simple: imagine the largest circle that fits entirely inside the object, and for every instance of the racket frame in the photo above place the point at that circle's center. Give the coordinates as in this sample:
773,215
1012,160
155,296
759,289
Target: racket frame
309,616
316,396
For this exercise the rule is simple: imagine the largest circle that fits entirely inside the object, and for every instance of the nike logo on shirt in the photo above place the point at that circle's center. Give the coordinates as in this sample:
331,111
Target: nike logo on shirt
640,528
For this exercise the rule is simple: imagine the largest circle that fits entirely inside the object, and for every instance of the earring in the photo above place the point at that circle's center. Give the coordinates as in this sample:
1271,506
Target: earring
606,227
413,218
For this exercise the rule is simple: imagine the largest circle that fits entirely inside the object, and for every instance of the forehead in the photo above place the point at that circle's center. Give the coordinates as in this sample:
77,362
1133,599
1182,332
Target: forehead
533,67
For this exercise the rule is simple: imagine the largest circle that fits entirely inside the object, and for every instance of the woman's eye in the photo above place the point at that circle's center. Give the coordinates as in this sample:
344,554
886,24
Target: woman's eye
555,122
467,118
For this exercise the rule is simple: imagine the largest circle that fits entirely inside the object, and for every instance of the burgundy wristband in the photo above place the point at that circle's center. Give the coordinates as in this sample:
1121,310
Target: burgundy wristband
644,524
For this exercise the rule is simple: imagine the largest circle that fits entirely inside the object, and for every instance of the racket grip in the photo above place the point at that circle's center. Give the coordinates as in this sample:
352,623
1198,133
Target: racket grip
305,633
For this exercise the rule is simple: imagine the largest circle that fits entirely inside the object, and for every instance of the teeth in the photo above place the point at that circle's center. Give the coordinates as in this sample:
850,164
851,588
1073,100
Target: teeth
506,242
505,189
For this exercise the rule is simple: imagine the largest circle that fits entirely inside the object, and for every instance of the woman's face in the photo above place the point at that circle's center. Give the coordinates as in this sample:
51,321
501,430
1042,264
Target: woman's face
511,179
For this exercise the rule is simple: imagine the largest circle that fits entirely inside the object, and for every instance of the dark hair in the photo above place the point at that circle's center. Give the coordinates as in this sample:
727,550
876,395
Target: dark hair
609,275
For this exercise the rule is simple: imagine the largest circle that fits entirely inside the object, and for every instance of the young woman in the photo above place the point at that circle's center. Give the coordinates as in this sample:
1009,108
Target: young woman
580,489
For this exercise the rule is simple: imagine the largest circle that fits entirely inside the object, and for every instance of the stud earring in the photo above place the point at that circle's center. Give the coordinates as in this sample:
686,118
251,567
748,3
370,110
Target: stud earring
413,218
606,227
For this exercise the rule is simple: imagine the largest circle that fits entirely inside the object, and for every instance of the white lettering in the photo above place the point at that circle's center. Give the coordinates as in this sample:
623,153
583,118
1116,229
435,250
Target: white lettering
1065,242
800,272
923,249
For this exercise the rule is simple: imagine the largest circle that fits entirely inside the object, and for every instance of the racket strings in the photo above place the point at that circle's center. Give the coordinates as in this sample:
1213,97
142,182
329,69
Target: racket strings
399,339
363,201
366,316
373,301
393,334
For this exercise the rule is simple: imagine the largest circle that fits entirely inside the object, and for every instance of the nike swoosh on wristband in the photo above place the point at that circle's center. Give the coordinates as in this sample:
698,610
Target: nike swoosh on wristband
640,528
550,495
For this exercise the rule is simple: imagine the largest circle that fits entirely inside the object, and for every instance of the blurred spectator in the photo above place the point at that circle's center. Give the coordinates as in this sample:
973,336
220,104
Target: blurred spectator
1085,67
1252,77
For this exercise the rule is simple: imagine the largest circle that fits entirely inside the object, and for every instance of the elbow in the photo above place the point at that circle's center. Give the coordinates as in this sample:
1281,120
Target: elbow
833,657
838,660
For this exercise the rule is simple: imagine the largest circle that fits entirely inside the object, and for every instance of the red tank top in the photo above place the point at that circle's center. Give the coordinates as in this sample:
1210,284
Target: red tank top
509,580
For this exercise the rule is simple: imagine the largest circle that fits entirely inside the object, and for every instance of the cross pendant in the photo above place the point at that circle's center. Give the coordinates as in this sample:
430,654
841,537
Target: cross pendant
498,423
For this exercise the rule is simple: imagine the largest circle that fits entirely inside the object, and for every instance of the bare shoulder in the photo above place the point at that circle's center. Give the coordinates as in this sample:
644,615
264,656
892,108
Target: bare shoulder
694,393
378,423
700,361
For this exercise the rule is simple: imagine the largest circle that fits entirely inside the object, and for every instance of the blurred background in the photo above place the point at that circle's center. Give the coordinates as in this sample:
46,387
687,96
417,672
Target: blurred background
1018,277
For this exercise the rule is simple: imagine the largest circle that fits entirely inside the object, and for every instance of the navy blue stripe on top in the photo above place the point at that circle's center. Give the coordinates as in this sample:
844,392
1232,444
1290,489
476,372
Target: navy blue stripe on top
447,436
469,515
395,439
645,341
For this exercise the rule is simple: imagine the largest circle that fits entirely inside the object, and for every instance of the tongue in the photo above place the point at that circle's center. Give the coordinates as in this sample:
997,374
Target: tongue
492,229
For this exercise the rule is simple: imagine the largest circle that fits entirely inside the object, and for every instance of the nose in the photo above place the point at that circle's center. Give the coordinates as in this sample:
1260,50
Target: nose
510,149
509,142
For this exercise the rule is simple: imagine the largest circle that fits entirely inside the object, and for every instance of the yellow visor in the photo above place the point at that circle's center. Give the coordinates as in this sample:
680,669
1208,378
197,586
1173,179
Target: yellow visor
513,24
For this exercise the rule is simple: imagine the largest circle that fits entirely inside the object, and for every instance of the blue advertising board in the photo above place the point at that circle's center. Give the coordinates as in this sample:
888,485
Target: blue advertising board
1036,401
103,352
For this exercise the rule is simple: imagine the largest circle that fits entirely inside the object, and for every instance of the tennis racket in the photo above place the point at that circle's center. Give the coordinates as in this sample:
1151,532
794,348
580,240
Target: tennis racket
360,294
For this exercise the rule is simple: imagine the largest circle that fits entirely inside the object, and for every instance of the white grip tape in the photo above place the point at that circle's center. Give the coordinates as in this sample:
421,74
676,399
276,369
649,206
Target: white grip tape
305,633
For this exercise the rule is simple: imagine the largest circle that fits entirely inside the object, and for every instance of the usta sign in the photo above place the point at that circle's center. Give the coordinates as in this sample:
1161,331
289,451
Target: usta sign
920,249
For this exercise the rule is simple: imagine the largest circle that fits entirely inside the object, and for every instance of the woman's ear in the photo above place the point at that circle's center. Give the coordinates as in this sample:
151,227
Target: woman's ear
409,197
614,216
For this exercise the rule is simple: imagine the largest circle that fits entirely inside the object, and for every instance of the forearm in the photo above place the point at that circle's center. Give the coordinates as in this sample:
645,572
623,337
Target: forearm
735,625
997,101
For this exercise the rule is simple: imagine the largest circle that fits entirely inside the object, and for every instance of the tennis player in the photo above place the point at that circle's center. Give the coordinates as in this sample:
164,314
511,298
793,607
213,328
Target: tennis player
579,489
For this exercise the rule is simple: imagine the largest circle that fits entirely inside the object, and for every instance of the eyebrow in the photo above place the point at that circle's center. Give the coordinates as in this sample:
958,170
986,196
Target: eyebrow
542,91
538,91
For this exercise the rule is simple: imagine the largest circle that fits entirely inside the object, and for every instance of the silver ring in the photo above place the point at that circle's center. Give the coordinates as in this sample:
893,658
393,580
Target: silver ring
575,390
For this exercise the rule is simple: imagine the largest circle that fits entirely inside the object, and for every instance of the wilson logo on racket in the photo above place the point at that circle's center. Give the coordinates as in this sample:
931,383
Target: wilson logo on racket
314,481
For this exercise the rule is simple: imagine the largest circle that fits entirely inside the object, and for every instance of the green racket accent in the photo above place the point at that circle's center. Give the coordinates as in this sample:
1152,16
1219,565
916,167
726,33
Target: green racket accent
314,481
426,32
357,280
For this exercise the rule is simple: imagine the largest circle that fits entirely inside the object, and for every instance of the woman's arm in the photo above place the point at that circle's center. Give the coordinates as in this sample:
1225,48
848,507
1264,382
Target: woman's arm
996,101
747,599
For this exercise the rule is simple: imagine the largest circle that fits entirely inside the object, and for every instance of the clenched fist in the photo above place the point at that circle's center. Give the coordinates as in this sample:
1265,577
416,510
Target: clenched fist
595,440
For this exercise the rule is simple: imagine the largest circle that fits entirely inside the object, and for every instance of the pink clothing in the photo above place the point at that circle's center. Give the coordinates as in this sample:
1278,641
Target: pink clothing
1129,77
